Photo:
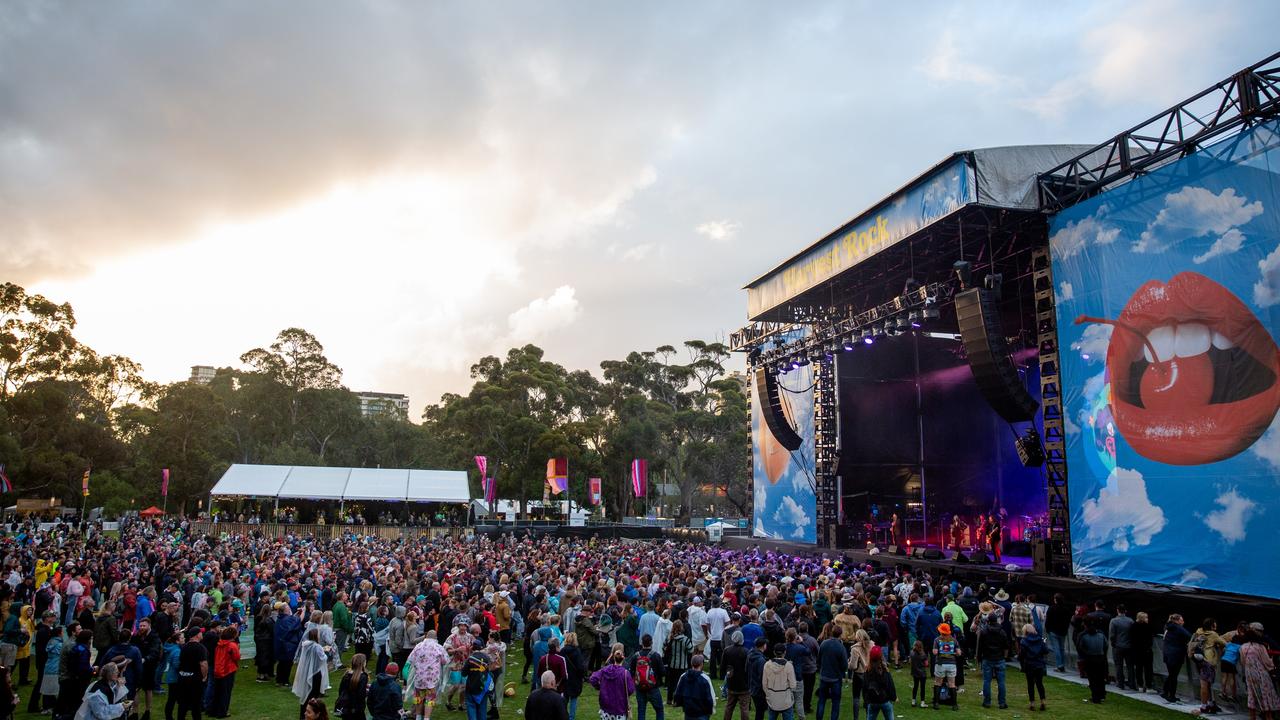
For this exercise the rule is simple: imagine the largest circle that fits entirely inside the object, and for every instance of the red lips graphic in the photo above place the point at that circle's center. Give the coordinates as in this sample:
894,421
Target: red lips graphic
1193,372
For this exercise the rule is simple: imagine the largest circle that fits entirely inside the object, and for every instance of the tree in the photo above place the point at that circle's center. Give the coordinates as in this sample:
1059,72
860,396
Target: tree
295,360
35,338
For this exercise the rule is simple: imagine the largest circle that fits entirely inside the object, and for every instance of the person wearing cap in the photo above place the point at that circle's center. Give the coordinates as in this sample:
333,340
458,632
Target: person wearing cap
386,699
946,654
737,685
878,691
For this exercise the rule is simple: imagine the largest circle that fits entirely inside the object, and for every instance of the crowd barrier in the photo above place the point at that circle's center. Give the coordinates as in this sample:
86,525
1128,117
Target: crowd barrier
325,532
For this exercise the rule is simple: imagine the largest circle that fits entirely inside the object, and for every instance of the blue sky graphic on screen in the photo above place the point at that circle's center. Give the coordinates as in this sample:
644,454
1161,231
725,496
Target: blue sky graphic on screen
785,502
1168,289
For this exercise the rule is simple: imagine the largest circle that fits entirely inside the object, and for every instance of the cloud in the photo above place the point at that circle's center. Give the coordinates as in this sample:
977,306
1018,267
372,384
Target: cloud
1230,520
1192,577
718,230
791,514
544,315
1079,234
947,64
636,253
1065,292
1266,291
1193,212
1122,514
1226,244
1267,447
1093,342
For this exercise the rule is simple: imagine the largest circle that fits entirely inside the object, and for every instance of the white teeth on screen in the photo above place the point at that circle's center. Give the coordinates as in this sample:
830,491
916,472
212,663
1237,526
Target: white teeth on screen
1184,340
1161,339
1191,339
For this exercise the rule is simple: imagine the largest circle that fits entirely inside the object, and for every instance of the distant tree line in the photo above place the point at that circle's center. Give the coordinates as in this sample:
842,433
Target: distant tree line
64,409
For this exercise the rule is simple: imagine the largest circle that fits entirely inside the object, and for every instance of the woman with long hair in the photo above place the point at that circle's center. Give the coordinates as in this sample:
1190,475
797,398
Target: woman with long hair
532,625
312,678
353,690
575,672
677,653
615,685
1256,665
314,709
264,627
859,662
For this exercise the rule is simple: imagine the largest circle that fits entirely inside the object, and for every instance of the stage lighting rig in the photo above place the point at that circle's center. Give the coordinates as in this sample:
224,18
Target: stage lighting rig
964,273
848,343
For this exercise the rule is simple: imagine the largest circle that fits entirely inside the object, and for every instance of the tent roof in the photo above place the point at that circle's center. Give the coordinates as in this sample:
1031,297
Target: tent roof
332,483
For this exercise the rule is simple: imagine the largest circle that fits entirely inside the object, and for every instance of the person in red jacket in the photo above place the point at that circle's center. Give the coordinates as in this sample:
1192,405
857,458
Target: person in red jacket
226,660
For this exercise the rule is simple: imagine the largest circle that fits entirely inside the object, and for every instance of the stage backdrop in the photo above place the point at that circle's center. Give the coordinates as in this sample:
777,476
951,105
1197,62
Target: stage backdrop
1168,289
786,504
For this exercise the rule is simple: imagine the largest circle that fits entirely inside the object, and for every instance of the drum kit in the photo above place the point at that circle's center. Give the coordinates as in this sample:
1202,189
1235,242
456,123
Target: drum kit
1035,527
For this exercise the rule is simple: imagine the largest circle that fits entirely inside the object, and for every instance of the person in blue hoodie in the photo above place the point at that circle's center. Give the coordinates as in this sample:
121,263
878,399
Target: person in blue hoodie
927,621
694,693
172,648
1032,652
288,635
125,649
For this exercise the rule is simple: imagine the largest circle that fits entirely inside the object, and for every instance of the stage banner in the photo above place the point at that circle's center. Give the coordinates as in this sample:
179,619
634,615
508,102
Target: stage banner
595,491
1168,306
558,475
935,196
785,504
164,482
640,477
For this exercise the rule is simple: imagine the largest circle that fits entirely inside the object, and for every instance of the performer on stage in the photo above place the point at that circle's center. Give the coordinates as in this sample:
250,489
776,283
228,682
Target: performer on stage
958,529
895,529
994,533
980,536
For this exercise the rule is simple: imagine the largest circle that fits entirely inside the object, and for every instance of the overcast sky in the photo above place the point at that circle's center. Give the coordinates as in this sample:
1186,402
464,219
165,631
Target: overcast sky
420,184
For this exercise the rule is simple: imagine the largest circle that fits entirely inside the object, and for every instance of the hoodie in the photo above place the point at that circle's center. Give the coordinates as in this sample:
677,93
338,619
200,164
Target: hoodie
778,682
694,694
1032,652
288,634
395,632
755,672
615,686
385,698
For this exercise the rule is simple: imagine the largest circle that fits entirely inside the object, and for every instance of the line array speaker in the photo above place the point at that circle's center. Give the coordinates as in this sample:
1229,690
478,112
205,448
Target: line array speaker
771,409
978,316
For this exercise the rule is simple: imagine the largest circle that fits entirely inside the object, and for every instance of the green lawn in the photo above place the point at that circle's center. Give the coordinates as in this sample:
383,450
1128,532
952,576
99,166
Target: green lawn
262,701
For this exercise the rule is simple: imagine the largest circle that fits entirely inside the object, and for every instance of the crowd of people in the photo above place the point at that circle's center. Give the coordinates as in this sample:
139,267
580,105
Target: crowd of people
360,627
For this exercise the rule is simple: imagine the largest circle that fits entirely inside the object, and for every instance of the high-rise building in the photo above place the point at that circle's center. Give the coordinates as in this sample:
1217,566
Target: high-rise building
203,374
377,403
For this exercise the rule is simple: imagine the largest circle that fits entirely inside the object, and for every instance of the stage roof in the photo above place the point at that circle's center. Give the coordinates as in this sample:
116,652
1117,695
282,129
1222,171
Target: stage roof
1002,178
334,483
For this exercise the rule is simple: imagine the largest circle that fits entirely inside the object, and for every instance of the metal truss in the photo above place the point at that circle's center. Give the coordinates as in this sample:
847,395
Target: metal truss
1051,407
1246,97
826,439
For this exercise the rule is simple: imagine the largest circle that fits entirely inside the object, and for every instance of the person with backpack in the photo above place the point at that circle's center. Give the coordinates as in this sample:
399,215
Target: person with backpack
878,691
694,693
1205,648
946,657
353,690
647,670
1091,645
779,685
479,683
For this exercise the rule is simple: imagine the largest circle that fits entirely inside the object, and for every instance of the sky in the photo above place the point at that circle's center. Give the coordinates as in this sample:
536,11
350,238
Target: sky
422,184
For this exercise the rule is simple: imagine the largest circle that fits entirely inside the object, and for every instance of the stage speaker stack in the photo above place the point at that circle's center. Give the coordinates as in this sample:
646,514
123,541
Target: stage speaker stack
895,550
978,315
933,554
917,552
1041,560
978,557
771,408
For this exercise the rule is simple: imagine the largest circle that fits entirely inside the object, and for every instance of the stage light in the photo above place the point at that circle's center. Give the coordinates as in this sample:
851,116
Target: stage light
879,330
930,313
914,317
801,359
964,273
867,336
904,323
832,349
848,343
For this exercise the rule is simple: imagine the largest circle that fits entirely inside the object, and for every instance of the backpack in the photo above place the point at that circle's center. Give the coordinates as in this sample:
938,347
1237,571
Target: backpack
644,676
477,673
1195,648
874,691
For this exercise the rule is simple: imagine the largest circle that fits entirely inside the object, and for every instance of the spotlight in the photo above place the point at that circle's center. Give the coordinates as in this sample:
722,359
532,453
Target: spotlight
904,323
880,330
914,318
801,359
889,328
848,343
867,336
832,349
930,313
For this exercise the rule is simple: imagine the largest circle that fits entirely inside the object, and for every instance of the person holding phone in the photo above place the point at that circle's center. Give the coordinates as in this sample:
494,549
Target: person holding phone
105,699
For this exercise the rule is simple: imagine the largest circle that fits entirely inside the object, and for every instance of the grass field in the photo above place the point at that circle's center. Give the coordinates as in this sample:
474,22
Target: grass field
262,701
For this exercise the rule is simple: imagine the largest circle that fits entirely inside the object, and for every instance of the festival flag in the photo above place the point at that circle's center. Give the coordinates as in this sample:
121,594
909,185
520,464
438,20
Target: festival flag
5,485
558,475
84,483
640,477
595,491
490,489
164,482
482,462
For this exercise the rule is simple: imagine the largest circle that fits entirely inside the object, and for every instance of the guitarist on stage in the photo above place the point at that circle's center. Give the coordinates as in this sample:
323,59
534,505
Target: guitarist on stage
994,535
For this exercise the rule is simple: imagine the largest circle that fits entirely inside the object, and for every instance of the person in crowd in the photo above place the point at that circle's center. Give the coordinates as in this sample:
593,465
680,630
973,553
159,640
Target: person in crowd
151,651
1057,624
286,638
312,677
106,698
833,664
1233,640
1091,645
647,670
677,653
479,683
430,662
1176,638
737,686
1032,656
797,653
193,673
946,654
1205,649
694,693
1257,667
264,642
576,666
859,662
615,685
757,658
168,672
315,709
919,661
993,647
226,660
878,691
353,691
8,694
76,671
552,661
45,632
1141,640
1121,646
779,685
386,699
545,701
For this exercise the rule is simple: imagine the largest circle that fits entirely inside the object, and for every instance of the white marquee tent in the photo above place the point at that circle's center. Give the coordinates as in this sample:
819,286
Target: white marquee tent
332,483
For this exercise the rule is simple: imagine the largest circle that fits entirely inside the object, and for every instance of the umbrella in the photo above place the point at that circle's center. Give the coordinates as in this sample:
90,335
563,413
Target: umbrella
152,511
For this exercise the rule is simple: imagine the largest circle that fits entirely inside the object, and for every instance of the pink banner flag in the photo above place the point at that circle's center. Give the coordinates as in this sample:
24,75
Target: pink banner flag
482,462
164,482
558,475
640,477
490,489
595,491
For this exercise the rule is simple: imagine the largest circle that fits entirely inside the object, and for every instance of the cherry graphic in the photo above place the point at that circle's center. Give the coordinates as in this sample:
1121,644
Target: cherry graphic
1177,383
